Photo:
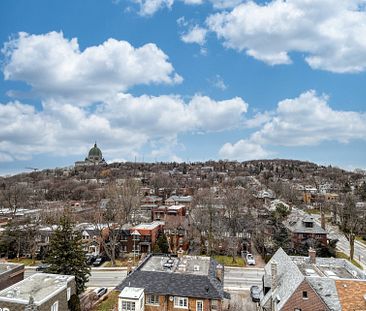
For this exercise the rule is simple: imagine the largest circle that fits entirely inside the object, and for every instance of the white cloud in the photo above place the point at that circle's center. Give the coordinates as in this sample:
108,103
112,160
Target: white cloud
225,4
331,34
243,150
195,35
309,120
303,121
123,124
55,67
150,7
218,82
193,1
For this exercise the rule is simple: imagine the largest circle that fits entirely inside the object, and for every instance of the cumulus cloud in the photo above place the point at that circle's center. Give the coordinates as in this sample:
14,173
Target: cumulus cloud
55,67
303,121
218,82
123,123
195,35
309,120
331,34
150,7
243,150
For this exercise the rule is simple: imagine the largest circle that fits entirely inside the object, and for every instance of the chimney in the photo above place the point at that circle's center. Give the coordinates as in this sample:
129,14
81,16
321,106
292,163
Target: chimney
220,272
312,255
322,221
274,275
180,253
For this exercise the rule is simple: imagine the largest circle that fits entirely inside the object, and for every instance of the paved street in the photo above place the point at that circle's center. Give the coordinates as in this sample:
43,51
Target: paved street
235,278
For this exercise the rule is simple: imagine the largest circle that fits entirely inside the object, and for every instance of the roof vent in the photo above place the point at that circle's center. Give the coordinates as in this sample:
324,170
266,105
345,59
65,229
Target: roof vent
196,268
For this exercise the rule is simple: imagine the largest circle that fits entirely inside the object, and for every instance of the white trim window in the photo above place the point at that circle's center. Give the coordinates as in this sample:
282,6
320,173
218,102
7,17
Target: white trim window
54,307
128,306
199,305
152,300
181,302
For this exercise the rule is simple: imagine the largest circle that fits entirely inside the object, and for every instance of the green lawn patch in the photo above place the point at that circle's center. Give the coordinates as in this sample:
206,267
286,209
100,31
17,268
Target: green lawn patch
228,261
109,303
345,256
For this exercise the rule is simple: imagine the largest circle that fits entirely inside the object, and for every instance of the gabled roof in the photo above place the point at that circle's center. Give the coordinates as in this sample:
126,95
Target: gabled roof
289,277
297,225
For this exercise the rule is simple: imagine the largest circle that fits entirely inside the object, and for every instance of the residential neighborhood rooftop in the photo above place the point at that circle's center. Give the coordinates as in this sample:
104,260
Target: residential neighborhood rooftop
197,265
149,226
162,275
40,286
6,266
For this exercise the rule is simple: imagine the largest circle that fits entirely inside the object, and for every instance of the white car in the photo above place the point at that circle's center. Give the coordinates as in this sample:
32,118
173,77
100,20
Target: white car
100,291
250,259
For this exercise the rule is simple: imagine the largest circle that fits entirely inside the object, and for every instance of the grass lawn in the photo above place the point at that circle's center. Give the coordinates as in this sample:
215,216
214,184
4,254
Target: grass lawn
228,261
109,303
313,211
25,261
119,263
344,256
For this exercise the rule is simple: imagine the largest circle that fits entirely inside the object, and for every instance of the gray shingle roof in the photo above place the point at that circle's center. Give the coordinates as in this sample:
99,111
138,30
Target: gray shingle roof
177,284
326,289
298,226
289,277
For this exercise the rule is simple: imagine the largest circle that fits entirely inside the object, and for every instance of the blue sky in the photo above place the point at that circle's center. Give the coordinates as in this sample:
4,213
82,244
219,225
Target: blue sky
183,80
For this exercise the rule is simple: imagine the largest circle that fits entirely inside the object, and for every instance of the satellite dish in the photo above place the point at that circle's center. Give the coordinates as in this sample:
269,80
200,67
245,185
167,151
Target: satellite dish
171,298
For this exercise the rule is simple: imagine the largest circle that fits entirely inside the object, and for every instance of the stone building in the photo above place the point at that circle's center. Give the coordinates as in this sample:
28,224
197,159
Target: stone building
95,157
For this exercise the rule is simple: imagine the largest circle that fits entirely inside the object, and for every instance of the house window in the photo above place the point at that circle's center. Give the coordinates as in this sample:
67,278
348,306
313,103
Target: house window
68,293
181,302
214,305
54,307
128,306
199,305
304,295
152,300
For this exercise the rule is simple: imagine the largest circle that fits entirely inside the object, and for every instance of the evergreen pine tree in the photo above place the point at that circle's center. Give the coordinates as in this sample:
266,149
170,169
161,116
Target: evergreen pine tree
66,254
163,244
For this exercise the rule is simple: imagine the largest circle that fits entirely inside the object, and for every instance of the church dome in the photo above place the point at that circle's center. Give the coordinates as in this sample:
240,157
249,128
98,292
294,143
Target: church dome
95,152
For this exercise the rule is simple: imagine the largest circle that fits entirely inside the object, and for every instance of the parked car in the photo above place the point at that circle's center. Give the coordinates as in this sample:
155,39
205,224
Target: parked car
255,293
42,267
250,259
97,262
90,259
100,291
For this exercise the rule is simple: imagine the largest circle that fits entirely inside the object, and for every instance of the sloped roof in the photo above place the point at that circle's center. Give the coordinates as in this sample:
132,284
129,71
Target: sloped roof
289,277
351,294
326,289
176,284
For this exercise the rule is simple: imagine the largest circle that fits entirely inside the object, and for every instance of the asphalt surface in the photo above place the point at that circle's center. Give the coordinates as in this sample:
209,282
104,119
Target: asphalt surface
235,278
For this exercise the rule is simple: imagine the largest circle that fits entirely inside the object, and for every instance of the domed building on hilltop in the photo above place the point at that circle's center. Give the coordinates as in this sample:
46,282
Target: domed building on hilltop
95,157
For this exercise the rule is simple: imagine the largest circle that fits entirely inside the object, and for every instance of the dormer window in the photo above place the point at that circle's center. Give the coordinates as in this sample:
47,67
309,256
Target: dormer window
308,224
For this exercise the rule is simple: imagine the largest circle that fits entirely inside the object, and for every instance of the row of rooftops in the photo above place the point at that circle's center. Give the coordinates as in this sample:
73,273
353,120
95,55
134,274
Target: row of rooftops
329,277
